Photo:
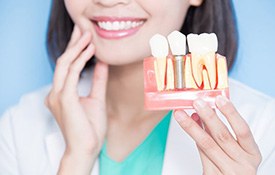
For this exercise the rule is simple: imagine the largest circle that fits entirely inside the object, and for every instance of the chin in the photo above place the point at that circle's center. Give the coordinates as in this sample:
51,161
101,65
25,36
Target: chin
119,60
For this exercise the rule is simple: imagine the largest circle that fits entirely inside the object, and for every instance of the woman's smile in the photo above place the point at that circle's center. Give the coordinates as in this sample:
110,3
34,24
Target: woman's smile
117,27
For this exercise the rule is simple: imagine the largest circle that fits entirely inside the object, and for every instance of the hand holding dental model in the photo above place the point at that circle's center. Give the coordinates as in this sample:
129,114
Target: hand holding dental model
182,81
175,81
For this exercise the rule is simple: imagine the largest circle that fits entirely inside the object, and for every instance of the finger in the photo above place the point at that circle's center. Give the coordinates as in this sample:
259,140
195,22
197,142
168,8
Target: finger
100,78
203,140
76,34
218,130
238,124
197,119
208,166
66,59
75,69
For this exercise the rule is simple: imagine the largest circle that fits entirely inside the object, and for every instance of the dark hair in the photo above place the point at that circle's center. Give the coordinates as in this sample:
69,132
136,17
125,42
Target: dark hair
213,16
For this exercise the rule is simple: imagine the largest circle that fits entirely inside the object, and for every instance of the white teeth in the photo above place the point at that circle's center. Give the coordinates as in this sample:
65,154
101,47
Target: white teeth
119,25
203,48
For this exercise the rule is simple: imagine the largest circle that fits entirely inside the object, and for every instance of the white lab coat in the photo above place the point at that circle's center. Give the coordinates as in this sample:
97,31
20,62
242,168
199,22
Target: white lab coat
32,144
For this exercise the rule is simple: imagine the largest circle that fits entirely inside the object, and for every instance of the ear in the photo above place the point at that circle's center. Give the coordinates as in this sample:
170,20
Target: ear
195,2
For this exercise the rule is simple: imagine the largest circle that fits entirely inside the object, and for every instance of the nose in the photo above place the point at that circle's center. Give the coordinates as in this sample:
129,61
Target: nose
110,3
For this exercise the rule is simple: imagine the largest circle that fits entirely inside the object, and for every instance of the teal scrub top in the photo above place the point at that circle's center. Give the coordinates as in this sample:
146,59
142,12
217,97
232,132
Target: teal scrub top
146,159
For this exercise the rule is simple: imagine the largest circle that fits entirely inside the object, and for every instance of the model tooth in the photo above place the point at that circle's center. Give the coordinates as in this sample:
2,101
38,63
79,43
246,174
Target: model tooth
177,42
206,83
160,85
170,85
222,73
159,46
203,48
159,49
188,77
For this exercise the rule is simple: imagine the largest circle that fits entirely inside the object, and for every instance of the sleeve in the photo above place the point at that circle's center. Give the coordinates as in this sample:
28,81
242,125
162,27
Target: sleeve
266,139
8,161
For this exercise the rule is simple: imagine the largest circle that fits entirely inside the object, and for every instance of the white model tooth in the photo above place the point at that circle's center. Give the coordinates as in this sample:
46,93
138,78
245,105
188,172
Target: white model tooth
206,83
170,78
222,73
203,48
210,64
159,46
177,42
159,49
188,77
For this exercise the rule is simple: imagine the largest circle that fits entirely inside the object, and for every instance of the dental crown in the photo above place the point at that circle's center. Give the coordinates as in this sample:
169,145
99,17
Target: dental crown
202,43
159,46
177,42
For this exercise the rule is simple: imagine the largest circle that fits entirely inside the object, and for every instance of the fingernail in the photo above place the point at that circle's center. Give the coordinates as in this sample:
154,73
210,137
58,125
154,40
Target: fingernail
195,117
221,100
199,104
179,115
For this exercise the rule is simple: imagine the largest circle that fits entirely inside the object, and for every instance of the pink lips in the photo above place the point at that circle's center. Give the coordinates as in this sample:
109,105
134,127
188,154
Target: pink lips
116,34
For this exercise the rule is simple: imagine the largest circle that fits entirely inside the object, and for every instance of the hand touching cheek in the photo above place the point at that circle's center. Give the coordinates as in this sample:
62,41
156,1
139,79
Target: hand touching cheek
82,120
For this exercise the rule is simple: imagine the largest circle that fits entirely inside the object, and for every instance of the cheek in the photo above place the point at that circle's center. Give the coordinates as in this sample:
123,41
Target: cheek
75,9
69,5
170,13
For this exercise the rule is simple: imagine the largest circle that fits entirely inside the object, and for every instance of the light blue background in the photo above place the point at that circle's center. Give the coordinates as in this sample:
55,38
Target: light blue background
24,64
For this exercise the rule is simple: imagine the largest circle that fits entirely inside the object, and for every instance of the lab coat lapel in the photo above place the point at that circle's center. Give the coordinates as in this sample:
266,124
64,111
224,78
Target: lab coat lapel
55,146
181,155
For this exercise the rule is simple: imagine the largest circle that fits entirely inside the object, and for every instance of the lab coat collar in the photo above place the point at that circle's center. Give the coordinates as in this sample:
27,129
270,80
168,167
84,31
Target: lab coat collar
180,152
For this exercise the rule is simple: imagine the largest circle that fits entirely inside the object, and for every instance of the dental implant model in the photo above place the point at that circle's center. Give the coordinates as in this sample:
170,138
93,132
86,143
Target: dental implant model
177,42
174,80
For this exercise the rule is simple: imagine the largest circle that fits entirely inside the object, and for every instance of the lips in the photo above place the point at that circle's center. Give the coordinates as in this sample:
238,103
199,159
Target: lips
116,28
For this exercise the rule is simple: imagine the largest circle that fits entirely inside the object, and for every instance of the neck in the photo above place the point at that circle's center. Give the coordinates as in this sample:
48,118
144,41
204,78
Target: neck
125,92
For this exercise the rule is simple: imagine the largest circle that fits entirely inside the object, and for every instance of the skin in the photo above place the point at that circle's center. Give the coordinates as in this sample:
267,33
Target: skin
106,113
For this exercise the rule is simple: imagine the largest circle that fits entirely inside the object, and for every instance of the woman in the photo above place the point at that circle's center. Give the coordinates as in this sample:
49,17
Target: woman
103,128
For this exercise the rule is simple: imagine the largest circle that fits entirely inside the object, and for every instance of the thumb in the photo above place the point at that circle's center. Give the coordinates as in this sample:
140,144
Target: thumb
100,78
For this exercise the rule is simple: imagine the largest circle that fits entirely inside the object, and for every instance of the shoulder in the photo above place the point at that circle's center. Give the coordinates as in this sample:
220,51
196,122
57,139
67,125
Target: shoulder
30,109
255,107
250,102
29,119
31,115
23,129
240,91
